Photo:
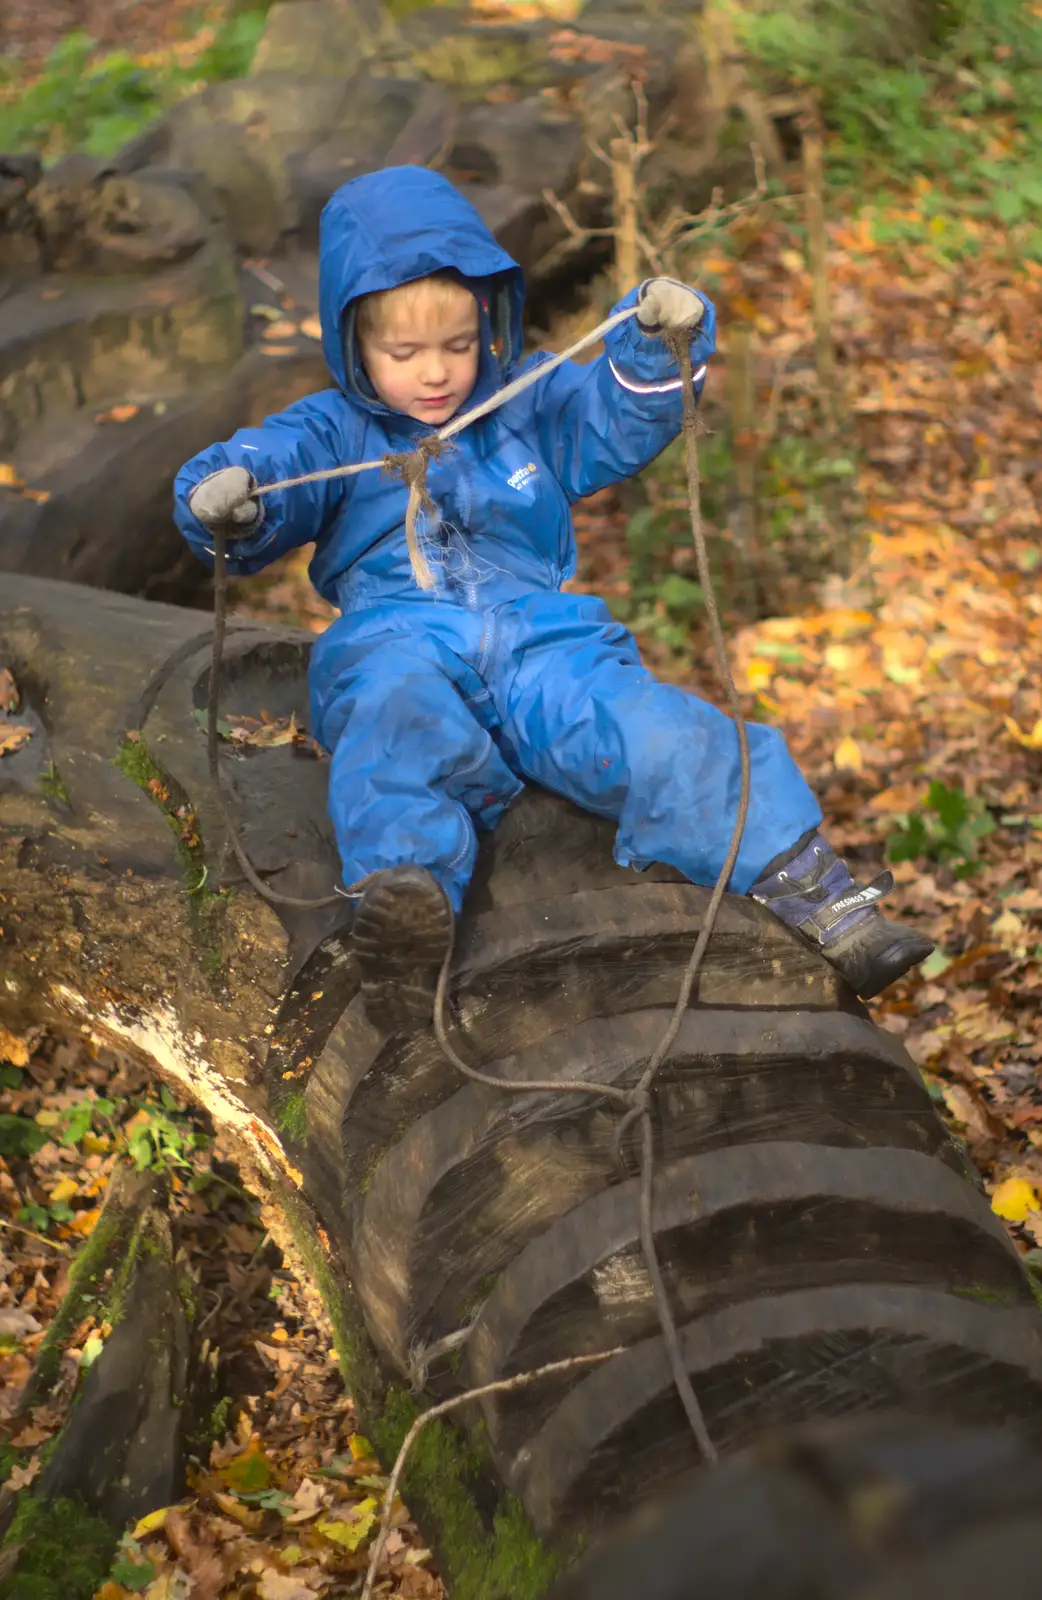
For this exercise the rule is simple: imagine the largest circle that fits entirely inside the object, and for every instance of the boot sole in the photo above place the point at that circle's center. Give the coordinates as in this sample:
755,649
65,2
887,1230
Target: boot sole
401,935
869,972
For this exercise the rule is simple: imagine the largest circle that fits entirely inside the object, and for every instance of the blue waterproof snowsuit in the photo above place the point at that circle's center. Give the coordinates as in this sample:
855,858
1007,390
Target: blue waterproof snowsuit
437,706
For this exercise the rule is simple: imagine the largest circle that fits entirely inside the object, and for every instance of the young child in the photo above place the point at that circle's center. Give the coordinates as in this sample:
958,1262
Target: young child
438,706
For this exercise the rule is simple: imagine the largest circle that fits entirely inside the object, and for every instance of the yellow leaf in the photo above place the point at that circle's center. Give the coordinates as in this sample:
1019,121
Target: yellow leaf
48,1119
353,1526
838,657
64,1189
14,1050
155,1520
12,737
311,327
1013,1199
848,757
250,1520
1030,741
1010,930
360,1448
758,673
8,476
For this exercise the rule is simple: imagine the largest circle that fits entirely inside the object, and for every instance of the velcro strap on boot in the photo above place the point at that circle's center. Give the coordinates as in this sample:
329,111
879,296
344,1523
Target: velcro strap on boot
858,900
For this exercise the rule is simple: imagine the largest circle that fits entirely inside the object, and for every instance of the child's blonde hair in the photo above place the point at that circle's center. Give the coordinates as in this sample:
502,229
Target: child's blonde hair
431,297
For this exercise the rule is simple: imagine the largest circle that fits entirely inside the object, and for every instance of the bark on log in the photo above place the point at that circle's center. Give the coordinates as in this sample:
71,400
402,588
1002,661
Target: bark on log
825,1247
122,1447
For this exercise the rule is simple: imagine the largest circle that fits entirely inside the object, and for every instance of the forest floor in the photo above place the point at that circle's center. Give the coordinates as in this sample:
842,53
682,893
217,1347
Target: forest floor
908,682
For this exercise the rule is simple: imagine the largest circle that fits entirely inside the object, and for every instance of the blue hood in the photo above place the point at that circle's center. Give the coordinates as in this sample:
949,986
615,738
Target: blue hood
392,226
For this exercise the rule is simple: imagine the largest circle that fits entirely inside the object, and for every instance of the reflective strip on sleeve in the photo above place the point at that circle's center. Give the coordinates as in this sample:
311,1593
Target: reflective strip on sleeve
668,387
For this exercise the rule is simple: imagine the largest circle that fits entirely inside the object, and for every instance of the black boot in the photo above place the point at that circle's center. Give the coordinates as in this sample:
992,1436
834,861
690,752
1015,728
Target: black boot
402,932
810,889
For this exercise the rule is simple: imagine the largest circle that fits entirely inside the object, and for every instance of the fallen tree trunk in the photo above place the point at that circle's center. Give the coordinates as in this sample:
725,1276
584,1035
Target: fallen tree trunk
824,1244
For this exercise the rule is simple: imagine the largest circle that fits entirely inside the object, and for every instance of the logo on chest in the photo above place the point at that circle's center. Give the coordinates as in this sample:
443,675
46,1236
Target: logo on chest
523,475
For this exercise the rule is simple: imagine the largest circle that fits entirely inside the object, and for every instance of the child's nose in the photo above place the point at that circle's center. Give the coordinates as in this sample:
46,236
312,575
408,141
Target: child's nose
434,367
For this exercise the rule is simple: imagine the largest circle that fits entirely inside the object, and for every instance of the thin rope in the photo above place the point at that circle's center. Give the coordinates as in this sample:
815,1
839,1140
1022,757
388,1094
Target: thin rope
475,414
412,467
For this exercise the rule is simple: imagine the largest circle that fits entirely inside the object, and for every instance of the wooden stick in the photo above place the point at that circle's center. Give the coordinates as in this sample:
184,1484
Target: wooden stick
813,155
626,155
502,1386
741,389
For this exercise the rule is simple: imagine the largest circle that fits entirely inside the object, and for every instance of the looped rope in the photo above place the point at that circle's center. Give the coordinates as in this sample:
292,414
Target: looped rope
411,466
636,1100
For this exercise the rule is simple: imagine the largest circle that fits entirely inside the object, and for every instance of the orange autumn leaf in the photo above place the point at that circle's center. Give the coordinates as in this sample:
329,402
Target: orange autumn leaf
122,413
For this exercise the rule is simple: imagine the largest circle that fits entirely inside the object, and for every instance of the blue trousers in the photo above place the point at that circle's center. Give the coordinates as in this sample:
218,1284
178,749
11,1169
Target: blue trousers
436,716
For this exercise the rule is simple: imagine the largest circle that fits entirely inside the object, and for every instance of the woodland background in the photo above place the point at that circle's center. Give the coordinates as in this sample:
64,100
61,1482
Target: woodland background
871,492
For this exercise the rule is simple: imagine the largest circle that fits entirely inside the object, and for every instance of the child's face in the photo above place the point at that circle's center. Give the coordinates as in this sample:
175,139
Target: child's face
424,358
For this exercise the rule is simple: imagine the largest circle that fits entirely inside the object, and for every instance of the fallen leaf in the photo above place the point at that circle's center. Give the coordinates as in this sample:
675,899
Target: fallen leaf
117,413
41,496
311,327
16,1324
936,963
20,1477
12,737
9,478
244,1515
848,756
30,1437
309,1499
283,1586
352,1525
280,330
175,1585
1013,1199
247,1472
9,698
64,1189
13,1049
1031,740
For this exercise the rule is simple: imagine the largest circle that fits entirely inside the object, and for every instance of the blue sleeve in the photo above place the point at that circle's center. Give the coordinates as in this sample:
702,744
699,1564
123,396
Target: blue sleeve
607,420
308,436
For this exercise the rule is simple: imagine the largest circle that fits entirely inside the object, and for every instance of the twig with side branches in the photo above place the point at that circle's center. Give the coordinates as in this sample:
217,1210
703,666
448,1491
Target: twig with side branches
521,1380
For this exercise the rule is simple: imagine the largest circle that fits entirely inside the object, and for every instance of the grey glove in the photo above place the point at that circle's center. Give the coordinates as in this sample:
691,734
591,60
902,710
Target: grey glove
666,306
223,501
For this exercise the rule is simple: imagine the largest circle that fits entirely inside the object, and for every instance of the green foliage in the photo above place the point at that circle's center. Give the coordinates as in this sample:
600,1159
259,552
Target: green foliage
962,111
948,829
82,101
795,534
20,1136
41,1217
291,1116
440,1476
162,1140
65,1552
132,1569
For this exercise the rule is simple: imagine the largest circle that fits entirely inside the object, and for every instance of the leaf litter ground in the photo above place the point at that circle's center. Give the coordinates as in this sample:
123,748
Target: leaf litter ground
910,690
283,1505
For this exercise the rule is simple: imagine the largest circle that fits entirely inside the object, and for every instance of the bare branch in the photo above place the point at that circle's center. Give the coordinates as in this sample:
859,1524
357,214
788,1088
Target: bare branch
502,1386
